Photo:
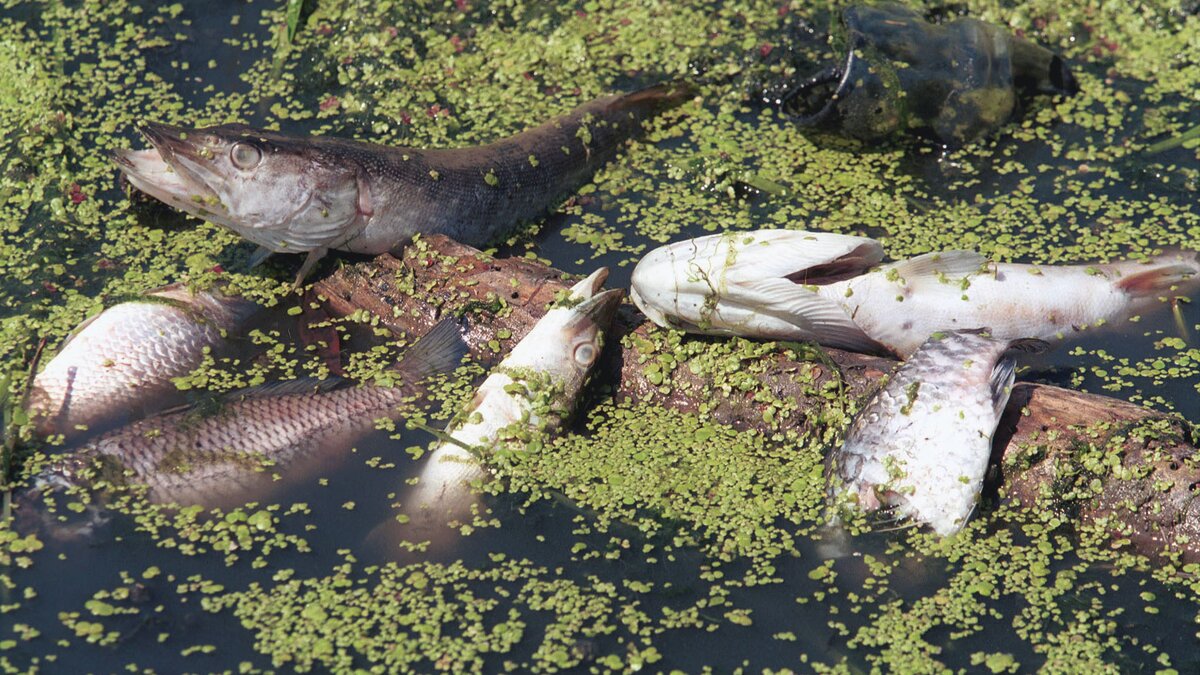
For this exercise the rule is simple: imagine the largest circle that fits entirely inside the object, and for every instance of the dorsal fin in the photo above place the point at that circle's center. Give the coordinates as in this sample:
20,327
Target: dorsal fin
956,263
1004,371
440,350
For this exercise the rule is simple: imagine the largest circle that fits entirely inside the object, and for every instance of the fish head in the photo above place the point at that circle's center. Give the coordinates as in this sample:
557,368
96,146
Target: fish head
566,342
673,282
288,195
715,284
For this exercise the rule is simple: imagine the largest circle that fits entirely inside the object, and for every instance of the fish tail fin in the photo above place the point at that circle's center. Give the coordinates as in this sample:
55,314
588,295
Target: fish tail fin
656,98
1160,278
439,351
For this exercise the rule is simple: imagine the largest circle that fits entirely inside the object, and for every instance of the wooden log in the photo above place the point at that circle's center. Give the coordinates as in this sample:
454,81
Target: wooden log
1133,471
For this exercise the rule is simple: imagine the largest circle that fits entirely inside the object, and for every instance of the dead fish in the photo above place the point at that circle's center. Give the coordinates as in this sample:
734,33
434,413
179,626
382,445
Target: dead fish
755,284
533,389
825,288
895,71
119,361
310,195
211,455
921,444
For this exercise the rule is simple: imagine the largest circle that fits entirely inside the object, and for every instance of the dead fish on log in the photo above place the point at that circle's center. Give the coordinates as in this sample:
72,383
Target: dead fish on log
125,358
532,390
220,454
921,444
310,195
826,288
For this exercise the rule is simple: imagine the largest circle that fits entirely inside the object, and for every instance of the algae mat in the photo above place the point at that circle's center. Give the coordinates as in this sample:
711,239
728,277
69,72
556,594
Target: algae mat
642,539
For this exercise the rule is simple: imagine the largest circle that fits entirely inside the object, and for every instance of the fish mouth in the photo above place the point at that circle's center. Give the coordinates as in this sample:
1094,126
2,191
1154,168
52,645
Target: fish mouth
595,313
587,288
170,141
173,171
597,307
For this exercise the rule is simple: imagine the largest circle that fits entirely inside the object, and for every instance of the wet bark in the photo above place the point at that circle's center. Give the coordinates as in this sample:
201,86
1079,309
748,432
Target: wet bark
1049,445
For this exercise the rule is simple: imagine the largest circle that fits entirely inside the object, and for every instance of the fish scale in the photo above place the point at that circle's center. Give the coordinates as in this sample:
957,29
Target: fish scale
531,391
829,288
922,443
126,357
295,194
194,456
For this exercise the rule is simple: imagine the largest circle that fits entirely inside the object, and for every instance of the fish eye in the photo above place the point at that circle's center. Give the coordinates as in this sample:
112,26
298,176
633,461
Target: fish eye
585,354
245,156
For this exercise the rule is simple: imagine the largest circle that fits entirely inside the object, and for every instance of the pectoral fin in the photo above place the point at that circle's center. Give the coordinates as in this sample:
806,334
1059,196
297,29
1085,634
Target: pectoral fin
815,317
259,256
1004,373
314,256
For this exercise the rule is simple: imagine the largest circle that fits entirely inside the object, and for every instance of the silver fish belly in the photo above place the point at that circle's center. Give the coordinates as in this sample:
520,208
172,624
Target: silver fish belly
123,359
533,390
921,445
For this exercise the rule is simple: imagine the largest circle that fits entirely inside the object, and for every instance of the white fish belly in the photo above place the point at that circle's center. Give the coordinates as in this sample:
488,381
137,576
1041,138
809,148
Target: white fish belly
1014,303
444,486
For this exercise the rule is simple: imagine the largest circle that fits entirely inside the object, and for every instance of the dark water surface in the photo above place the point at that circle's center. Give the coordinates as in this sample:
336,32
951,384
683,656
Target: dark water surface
816,603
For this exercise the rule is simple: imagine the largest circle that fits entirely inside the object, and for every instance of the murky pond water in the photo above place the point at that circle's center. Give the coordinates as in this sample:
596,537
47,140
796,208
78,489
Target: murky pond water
642,538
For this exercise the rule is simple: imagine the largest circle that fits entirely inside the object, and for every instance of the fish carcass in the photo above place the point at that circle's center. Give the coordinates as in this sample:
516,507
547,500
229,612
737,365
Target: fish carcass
829,288
310,195
921,444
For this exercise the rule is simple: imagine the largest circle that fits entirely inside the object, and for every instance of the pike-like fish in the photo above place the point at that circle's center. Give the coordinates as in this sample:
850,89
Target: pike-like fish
921,444
122,359
310,195
533,389
211,456
829,288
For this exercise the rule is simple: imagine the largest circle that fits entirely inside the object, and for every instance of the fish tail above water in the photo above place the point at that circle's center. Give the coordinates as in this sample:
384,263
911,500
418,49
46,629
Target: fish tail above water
1165,273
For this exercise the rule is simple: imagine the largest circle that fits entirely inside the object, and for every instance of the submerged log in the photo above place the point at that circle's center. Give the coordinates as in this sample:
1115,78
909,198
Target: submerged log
1133,471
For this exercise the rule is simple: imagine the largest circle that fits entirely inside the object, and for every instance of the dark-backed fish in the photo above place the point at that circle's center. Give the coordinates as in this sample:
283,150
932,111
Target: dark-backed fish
310,195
